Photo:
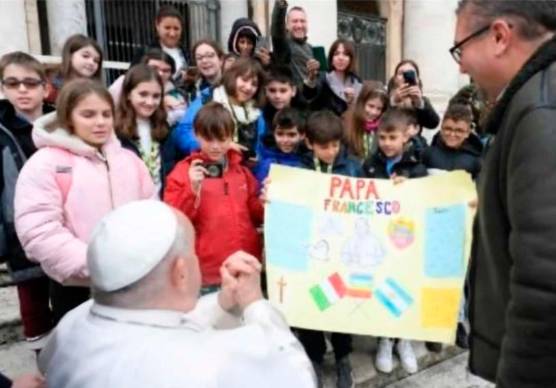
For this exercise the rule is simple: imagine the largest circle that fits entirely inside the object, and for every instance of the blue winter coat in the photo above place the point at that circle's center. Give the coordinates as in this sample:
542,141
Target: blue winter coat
187,142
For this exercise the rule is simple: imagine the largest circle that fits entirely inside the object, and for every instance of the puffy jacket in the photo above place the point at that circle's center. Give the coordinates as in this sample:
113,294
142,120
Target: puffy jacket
225,214
185,139
53,219
409,166
513,265
467,157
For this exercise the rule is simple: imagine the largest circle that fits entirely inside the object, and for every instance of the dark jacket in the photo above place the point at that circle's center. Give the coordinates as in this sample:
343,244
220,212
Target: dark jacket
513,263
271,154
244,25
16,146
427,116
286,50
344,164
467,157
409,166
419,144
323,97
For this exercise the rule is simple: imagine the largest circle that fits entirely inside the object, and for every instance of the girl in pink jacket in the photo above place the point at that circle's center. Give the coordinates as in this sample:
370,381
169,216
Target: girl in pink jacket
78,175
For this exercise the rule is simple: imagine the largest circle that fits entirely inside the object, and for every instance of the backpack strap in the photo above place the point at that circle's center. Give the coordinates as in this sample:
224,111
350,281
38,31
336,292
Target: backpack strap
64,172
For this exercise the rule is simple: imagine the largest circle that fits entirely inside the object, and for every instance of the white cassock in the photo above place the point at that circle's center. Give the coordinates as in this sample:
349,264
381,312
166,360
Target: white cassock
104,347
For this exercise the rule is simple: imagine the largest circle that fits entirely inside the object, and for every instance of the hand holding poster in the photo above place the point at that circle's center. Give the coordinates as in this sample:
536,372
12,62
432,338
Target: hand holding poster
365,256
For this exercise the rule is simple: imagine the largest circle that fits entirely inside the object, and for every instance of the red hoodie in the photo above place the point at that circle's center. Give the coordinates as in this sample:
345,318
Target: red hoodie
225,216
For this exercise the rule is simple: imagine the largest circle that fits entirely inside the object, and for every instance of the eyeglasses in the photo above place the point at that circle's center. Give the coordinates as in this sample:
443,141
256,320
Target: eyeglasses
199,58
457,48
29,83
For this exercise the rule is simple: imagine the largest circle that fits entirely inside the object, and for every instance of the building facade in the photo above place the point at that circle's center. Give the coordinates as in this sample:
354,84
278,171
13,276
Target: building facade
384,31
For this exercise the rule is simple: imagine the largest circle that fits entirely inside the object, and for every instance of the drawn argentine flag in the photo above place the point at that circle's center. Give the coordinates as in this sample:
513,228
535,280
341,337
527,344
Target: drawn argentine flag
328,292
393,297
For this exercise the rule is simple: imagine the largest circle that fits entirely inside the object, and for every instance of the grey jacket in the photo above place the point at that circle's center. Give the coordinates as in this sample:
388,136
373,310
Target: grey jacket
286,50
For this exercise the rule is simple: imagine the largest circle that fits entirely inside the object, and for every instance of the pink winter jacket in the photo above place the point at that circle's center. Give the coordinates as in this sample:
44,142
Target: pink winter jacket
53,220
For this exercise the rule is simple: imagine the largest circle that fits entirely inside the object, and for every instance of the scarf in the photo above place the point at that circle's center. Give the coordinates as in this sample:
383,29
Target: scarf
242,114
540,60
371,126
338,86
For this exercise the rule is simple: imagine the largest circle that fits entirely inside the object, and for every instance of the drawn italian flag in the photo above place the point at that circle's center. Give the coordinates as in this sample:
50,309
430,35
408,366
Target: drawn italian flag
393,297
329,291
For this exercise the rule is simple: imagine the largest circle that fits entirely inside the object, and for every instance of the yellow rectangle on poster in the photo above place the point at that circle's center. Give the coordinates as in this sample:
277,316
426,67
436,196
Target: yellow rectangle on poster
440,307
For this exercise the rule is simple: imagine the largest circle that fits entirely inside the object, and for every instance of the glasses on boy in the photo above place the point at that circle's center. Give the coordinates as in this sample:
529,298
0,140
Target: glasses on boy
29,83
454,131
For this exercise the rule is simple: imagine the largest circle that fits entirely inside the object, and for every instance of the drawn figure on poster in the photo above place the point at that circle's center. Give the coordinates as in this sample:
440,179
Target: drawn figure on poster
363,249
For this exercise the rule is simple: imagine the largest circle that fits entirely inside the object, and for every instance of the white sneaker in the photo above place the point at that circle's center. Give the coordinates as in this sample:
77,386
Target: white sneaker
383,360
407,356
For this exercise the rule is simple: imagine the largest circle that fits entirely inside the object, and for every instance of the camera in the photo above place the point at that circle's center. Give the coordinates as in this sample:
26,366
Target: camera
410,77
214,170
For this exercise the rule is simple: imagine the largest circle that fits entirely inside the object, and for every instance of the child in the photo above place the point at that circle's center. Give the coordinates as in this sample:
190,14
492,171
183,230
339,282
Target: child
217,194
455,147
283,147
362,121
81,58
141,122
24,86
239,93
323,137
394,160
78,175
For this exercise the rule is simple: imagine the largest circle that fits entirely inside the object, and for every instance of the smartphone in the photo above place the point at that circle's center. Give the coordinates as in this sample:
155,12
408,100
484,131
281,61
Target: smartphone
262,42
410,77
320,55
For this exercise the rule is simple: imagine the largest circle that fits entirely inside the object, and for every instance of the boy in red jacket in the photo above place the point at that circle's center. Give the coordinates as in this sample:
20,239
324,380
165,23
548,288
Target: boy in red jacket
217,194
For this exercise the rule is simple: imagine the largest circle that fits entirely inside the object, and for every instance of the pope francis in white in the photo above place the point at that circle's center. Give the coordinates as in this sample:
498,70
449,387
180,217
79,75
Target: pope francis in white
146,328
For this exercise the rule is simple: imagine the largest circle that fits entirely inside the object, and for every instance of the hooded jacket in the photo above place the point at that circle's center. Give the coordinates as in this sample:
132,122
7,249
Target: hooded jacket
467,157
225,214
513,260
54,223
242,26
409,166
16,146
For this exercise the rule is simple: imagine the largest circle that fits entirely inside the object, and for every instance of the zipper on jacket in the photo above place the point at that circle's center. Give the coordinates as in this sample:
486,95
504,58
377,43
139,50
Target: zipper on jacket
225,188
109,183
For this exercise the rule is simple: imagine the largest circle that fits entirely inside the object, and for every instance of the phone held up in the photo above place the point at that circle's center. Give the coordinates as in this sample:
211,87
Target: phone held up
410,77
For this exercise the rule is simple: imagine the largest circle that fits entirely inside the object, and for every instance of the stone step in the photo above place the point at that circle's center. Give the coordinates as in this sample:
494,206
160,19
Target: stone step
362,360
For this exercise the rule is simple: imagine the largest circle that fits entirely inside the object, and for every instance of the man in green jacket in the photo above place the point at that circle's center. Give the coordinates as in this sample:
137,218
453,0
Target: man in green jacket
508,48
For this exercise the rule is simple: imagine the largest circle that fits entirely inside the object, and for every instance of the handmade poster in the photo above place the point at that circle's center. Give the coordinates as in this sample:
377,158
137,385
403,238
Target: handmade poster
365,256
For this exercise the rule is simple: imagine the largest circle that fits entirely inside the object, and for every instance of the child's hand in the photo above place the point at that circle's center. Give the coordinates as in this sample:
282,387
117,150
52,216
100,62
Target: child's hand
349,94
196,175
396,179
264,191
473,204
238,147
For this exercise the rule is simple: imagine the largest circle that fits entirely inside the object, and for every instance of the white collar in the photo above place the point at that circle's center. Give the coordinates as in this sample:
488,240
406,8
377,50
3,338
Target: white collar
169,319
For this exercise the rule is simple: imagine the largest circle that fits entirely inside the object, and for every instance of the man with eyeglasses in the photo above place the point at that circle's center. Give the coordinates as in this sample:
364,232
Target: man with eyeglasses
508,48
23,84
